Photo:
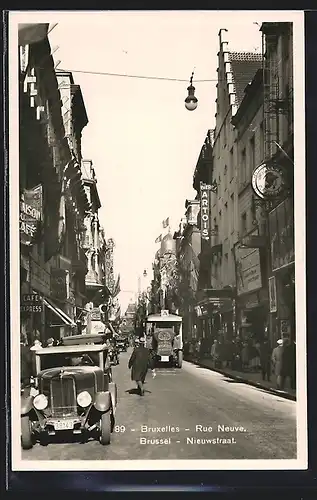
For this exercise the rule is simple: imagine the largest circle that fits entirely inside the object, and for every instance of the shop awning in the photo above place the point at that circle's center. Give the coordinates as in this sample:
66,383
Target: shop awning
61,315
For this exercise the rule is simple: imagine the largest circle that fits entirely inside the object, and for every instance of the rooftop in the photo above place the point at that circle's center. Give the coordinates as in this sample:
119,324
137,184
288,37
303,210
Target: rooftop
244,67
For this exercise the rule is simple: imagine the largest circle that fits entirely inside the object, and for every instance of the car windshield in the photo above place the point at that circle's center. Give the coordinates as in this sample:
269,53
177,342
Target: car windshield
69,359
165,324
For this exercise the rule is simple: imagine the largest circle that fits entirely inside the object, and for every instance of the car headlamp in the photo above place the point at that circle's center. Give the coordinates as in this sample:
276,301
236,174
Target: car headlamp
40,402
84,399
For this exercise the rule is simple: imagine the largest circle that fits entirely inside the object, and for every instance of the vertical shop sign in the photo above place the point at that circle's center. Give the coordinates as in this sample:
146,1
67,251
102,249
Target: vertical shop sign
248,268
272,294
31,207
205,210
60,284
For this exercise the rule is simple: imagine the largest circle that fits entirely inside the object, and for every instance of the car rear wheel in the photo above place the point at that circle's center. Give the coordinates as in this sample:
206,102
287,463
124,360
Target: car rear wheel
26,433
105,428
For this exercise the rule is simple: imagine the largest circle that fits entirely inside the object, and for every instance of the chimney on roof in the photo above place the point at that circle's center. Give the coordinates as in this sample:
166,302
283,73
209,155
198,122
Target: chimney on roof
222,38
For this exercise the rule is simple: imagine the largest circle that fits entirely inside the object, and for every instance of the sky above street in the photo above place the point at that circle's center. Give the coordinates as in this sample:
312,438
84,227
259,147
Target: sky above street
143,143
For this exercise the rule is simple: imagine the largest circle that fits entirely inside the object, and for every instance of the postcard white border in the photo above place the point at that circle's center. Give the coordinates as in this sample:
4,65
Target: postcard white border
297,17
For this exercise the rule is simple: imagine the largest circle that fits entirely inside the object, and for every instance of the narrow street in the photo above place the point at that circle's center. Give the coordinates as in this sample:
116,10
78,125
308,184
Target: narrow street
195,413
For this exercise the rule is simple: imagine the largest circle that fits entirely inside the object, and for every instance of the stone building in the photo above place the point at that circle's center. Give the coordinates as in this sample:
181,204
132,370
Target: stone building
94,246
217,302
52,202
279,155
251,261
188,246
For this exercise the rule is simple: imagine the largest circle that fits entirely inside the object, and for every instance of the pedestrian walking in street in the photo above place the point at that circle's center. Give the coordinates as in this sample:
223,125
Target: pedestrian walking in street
265,360
277,362
139,363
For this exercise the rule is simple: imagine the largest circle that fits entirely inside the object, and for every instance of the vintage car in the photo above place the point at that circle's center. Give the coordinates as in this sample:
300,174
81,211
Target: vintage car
75,393
164,338
88,338
121,344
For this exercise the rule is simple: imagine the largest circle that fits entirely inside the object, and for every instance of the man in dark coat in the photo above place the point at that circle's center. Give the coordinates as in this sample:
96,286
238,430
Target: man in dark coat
277,362
139,362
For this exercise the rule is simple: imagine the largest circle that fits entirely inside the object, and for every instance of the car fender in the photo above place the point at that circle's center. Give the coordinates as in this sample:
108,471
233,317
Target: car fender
26,405
103,401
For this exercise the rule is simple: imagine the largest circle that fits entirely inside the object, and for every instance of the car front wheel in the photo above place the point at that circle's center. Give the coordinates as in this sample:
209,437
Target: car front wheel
105,428
26,433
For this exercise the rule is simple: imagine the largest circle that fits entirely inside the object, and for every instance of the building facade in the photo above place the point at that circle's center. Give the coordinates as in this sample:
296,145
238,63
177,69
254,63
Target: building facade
279,156
188,246
250,262
217,302
52,203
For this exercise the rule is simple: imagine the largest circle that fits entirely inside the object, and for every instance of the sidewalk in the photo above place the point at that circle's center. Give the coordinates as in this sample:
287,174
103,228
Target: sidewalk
250,378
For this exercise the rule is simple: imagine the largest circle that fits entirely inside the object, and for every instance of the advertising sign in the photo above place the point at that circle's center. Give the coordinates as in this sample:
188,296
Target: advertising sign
31,303
268,181
281,226
60,284
248,269
205,210
272,294
95,314
30,214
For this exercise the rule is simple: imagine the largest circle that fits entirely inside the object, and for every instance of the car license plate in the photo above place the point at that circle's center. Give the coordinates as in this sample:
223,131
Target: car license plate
63,425
165,359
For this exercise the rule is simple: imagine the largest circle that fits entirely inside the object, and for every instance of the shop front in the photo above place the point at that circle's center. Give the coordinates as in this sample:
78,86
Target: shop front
42,315
215,311
252,302
282,279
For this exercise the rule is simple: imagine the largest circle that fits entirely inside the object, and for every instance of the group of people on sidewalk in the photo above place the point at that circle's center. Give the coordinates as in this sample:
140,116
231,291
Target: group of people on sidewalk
250,356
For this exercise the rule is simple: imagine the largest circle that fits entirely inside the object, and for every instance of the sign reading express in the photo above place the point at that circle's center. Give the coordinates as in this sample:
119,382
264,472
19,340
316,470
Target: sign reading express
204,210
248,269
31,303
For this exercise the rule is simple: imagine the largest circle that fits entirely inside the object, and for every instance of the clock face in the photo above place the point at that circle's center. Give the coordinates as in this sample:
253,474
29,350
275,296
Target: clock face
268,181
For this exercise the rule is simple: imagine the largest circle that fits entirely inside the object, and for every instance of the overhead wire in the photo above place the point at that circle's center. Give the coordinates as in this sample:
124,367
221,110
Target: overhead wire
102,73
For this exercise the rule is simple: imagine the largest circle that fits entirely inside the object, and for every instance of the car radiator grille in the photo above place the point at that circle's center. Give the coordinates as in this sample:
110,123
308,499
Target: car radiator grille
63,397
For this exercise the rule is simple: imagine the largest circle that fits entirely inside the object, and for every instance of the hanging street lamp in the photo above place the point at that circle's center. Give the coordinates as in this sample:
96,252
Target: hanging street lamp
191,100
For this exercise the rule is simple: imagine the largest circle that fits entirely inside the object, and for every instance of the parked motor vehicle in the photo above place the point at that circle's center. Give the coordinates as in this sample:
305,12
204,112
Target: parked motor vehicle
121,345
75,393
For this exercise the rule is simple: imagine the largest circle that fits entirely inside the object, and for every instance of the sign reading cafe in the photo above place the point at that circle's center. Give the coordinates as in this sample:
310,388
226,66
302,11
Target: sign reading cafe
205,210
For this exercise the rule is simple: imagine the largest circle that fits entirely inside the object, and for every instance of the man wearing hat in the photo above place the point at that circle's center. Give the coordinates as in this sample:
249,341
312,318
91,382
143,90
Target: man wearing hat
139,363
277,362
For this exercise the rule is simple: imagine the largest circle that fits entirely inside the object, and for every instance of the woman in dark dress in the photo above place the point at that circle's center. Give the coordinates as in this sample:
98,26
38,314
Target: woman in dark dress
139,362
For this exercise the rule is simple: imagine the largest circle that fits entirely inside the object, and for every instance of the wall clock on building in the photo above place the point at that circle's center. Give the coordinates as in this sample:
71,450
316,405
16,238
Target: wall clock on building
269,181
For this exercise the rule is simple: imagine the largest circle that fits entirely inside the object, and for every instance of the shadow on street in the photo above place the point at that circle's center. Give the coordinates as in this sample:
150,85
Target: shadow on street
136,391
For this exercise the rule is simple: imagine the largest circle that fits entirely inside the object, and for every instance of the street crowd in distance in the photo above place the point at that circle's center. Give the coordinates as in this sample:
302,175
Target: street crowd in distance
251,356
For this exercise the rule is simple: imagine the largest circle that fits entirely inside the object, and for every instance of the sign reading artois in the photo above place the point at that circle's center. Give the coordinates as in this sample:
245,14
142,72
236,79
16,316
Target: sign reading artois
269,181
30,214
205,210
